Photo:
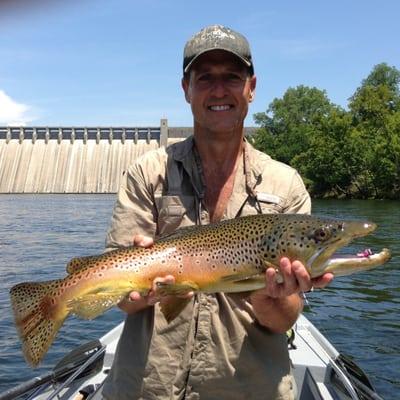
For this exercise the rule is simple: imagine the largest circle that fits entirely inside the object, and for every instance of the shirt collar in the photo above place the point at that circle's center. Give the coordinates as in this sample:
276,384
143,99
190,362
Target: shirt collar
183,153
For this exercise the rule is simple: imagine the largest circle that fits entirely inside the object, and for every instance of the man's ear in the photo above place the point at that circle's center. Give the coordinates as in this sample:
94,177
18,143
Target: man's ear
185,86
253,82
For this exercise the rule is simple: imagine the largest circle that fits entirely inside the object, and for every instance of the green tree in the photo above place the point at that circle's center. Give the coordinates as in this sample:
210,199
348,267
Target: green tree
375,109
330,163
294,131
290,122
354,153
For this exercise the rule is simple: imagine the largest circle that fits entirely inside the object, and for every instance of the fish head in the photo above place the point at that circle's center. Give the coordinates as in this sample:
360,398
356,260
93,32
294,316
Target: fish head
313,241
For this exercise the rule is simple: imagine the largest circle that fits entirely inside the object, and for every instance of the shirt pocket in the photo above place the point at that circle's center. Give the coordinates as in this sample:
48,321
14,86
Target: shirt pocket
251,207
271,208
174,211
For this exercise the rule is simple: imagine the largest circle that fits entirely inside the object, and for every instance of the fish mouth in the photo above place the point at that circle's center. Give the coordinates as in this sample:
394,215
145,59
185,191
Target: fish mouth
346,265
324,260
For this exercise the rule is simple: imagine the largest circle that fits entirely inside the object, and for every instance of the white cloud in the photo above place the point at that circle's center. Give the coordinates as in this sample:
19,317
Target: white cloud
13,113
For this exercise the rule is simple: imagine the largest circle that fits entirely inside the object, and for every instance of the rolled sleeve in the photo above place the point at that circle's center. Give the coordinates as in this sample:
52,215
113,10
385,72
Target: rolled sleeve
298,199
134,211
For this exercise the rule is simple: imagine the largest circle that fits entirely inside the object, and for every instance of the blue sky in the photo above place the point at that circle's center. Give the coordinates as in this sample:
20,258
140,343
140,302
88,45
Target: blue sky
104,62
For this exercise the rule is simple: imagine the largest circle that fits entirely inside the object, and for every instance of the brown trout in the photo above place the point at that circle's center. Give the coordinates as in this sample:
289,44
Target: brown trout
229,256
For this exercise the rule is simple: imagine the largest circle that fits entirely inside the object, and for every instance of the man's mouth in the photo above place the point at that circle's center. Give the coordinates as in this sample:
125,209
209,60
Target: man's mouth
223,107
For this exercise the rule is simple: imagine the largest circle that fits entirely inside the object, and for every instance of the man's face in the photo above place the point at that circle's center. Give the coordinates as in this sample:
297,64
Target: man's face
219,90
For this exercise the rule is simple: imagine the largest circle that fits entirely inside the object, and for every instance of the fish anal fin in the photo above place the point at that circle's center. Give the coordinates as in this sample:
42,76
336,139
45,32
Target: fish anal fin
92,305
172,306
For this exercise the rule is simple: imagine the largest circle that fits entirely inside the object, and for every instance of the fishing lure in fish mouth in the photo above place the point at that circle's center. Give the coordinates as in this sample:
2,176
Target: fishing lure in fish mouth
229,256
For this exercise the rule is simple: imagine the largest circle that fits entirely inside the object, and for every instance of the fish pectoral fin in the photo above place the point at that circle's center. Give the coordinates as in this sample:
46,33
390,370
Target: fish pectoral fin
176,289
251,283
240,283
91,306
234,277
172,306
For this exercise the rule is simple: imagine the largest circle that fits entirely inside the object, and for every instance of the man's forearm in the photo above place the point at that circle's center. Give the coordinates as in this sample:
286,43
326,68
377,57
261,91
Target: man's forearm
277,314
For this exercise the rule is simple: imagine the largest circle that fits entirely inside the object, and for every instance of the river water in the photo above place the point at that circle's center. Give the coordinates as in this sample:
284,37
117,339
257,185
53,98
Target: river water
39,234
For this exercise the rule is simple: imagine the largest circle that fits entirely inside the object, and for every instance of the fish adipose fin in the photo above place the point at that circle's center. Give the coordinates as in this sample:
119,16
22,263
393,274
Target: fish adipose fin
78,263
37,318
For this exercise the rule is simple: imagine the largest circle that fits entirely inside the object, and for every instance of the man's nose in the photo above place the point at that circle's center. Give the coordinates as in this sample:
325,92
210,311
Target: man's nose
219,87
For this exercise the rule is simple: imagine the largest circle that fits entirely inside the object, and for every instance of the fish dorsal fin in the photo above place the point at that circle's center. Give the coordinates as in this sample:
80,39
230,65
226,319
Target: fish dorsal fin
178,233
78,263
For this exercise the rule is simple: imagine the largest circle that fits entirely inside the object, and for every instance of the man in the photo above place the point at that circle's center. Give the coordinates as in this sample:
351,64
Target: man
222,346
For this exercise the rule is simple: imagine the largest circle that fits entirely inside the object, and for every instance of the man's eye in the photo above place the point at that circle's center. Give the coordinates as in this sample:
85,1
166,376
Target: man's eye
204,78
233,77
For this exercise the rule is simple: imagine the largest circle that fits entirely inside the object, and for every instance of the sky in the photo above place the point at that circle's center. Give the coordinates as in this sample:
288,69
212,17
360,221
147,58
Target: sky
119,62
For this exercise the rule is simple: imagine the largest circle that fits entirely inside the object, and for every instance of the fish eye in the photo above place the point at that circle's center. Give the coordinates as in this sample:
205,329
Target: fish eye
321,234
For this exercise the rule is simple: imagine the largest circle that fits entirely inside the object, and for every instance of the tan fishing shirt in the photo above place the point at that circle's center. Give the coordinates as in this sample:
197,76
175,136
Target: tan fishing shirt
214,349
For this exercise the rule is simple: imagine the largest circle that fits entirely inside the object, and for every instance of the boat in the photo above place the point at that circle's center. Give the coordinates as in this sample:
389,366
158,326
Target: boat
321,372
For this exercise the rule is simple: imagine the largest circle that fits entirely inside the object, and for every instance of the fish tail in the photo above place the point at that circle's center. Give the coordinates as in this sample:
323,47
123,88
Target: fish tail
38,317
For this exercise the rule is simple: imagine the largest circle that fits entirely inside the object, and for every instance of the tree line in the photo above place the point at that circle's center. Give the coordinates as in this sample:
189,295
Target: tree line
350,153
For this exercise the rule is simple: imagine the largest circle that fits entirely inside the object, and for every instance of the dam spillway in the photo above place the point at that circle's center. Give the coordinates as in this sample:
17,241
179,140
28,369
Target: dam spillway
72,160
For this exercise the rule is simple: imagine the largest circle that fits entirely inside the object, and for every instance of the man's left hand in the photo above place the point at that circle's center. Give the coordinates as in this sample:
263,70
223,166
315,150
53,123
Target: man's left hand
278,305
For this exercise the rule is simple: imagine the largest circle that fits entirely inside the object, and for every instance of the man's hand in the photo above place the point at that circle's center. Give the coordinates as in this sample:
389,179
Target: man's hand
135,301
295,277
278,305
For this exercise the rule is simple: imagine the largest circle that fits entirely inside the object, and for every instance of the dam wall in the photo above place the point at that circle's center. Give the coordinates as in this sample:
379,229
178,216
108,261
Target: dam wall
72,160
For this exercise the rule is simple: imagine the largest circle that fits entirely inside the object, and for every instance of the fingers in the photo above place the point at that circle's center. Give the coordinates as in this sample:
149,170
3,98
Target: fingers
134,296
322,281
155,294
292,278
302,277
143,241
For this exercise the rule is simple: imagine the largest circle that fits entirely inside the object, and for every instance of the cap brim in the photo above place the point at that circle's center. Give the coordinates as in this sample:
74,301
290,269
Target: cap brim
189,65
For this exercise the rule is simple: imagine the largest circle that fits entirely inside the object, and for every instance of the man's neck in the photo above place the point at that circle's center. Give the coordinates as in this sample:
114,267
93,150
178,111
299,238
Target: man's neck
220,157
219,151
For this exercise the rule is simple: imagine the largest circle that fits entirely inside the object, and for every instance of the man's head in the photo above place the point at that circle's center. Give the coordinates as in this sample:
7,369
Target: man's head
218,80
217,37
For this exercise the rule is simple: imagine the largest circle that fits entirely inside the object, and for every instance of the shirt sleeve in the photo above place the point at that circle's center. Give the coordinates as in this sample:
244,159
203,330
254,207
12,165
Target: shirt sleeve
298,200
134,211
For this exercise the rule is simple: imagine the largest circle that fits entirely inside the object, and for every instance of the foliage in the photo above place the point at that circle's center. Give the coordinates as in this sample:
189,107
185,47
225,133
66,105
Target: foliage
354,153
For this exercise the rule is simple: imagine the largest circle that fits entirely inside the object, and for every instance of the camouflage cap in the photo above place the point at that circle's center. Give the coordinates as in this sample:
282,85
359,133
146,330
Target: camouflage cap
217,37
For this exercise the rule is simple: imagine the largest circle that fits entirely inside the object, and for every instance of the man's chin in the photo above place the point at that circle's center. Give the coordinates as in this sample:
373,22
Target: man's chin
222,127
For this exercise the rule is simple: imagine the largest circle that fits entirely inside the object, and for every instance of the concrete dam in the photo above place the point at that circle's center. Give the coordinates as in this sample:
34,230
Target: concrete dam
73,160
